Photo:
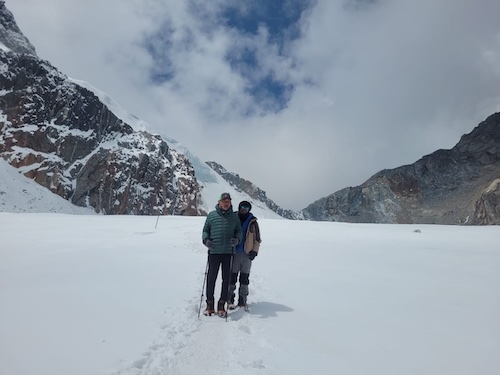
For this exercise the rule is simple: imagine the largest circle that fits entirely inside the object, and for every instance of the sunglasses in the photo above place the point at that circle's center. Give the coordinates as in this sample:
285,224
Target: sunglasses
246,208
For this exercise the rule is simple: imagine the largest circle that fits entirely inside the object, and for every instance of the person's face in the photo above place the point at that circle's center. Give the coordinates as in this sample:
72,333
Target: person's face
225,204
244,210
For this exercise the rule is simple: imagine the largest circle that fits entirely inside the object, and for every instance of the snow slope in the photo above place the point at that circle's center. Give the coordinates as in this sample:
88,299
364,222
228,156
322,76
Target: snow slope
21,194
214,184
211,182
99,295
136,123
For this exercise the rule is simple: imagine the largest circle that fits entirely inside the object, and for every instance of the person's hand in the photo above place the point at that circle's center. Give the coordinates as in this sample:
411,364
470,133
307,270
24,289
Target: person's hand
252,254
234,241
208,243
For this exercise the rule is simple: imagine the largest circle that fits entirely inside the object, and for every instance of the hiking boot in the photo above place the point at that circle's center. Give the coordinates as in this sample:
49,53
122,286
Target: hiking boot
242,302
221,311
210,308
230,304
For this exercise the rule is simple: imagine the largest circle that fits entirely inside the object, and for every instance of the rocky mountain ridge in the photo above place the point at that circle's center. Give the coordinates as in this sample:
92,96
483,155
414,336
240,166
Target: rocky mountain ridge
457,186
61,135
242,185
11,36
74,140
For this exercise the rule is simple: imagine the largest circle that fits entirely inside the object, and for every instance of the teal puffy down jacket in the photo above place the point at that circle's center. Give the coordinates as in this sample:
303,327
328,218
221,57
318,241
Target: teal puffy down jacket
220,227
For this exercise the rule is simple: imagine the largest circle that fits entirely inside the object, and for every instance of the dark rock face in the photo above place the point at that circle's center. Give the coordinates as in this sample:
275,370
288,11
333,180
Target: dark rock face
61,135
446,187
240,184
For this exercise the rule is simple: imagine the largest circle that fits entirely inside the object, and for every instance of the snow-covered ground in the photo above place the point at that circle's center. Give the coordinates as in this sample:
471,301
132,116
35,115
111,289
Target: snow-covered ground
102,295
21,194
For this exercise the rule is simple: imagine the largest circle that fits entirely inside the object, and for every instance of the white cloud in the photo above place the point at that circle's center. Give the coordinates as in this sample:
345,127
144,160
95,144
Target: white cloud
375,86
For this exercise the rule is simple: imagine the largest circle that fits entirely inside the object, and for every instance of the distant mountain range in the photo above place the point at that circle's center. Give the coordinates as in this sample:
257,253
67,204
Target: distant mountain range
457,186
75,141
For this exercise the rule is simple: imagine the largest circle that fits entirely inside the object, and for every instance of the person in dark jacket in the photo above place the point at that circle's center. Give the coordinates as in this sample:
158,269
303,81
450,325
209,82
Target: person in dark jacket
245,253
221,233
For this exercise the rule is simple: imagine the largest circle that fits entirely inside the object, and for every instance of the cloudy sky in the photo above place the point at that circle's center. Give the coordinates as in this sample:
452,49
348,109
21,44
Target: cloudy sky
303,98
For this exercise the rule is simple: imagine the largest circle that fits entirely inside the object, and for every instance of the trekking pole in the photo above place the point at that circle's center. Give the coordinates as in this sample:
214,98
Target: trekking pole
229,284
203,287
159,213
158,218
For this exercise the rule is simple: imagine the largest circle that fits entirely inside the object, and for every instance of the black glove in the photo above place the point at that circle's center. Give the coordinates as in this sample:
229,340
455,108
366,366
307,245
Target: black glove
234,241
252,254
208,243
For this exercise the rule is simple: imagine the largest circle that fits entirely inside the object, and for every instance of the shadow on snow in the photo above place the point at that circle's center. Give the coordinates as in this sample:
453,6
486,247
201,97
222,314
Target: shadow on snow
267,309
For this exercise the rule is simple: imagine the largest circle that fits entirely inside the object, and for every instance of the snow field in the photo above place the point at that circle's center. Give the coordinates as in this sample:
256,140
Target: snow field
111,295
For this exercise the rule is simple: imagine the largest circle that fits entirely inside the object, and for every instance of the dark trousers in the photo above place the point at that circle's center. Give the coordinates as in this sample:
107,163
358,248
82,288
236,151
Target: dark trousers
214,263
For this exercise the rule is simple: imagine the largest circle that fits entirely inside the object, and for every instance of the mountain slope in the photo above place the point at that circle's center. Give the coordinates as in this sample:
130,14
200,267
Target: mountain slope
62,135
211,183
76,141
456,186
11,36
257,194
21,194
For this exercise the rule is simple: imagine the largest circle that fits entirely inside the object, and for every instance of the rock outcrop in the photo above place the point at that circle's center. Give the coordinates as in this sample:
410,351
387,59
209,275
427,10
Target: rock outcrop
487,210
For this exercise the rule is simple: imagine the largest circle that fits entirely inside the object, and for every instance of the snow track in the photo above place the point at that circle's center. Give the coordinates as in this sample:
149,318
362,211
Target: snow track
188,344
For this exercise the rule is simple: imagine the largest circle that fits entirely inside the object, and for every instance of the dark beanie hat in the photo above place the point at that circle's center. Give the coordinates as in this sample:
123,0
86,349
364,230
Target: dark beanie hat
225,196
245,203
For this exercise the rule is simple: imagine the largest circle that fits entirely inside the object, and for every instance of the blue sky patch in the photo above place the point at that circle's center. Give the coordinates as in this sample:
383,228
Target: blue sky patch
158,47
280,17
270,93
244,55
